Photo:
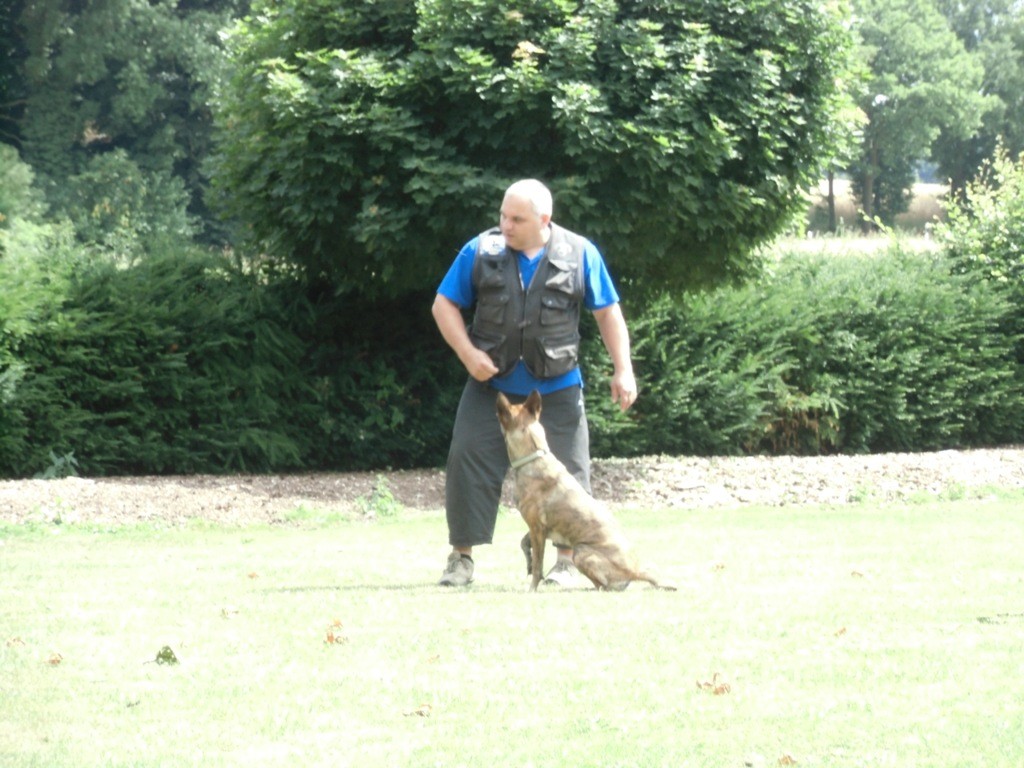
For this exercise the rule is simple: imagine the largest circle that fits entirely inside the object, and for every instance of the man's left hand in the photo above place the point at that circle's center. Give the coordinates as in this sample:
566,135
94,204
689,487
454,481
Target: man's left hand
624,390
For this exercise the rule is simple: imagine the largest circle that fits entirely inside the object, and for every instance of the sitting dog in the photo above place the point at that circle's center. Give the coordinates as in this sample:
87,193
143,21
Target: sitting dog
555,506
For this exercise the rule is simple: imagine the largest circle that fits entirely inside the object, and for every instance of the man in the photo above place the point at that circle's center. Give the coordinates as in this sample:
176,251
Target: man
527,280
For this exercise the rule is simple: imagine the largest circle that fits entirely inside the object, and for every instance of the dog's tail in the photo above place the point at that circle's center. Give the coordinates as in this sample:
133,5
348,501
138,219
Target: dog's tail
656,582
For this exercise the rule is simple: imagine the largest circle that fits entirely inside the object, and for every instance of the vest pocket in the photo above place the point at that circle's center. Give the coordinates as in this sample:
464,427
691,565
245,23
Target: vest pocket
491,308
554,356
492,344
561,276
554,308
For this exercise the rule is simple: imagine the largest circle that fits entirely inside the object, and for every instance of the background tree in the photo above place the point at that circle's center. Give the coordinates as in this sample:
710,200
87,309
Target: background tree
366,140
127,75
992,31
923,83
12,87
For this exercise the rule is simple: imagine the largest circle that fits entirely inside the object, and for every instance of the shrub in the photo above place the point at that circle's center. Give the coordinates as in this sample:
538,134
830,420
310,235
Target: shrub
187,363
386,386
850,353
984,233
706,383
912,356
171,365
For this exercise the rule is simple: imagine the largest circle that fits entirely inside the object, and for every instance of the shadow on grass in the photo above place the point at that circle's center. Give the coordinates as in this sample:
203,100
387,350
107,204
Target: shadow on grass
425,587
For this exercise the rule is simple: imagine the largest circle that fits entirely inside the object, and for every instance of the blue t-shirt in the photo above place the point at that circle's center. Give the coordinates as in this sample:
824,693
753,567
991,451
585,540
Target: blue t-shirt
457,286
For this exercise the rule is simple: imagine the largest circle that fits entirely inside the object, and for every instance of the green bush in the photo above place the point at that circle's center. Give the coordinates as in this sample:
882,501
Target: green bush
175,364
912,357
826,354
708,373
186,363
984,233
386,385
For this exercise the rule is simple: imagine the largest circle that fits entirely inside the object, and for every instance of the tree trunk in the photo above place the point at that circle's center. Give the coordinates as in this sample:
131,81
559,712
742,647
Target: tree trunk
868,191
831,201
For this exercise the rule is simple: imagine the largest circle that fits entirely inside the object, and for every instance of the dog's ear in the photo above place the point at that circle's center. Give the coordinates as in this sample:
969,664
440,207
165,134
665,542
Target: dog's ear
532,404
504,408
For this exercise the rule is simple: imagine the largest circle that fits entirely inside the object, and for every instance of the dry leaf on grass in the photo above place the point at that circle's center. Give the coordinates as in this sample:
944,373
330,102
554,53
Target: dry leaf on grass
334,635
423,710
716,686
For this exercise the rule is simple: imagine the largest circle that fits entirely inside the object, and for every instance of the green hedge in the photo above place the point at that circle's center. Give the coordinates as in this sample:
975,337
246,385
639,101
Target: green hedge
845,353
187,362
177,364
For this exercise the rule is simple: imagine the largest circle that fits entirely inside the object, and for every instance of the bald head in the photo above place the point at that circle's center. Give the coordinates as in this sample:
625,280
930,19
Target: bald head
525,216
533,191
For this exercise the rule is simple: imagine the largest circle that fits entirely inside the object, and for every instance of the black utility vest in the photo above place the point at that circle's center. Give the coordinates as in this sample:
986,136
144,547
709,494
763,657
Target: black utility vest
538,324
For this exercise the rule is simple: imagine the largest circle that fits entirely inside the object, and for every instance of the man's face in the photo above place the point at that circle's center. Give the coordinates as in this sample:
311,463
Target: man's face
522,228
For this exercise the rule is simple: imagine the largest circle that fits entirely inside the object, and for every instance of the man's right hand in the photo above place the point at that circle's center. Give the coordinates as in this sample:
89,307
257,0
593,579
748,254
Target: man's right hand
479,364
449,321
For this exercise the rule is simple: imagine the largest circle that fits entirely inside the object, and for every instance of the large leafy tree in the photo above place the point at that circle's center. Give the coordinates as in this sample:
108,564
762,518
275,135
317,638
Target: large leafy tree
131,77
993,31
923,83
366,140
12,87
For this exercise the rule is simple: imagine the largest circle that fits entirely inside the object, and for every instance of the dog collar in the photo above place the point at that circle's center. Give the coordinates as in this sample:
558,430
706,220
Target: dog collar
528,458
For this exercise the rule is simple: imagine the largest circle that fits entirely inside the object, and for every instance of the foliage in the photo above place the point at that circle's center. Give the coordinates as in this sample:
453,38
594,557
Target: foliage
173,364
923,82
709,369
850,354
129,211
993,30
131,75
366,141
385,385
12,86
20,198
984,234
912,357
183,362
380,503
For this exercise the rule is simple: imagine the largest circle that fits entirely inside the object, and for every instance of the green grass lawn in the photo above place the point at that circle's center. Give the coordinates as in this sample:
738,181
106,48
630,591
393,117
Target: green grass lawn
856,636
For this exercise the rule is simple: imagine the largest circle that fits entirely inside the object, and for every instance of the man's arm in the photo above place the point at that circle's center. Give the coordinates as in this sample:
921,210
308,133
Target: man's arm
615,336
449,321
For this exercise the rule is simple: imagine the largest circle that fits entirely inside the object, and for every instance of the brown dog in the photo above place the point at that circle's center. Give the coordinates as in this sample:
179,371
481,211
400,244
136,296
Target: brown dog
555,506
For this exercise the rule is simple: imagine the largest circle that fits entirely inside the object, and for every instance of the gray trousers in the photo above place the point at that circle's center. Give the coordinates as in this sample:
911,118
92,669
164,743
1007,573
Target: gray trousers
478,460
